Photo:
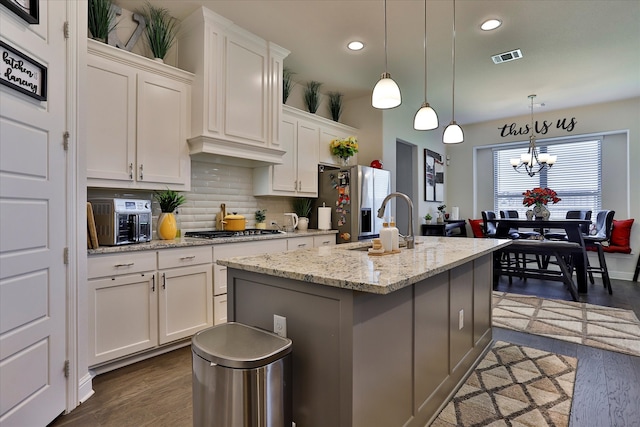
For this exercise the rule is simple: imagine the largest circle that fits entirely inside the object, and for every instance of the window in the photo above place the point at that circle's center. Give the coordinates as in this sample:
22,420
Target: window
576,176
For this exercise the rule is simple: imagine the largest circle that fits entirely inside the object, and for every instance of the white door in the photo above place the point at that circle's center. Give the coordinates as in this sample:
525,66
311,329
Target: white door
33,227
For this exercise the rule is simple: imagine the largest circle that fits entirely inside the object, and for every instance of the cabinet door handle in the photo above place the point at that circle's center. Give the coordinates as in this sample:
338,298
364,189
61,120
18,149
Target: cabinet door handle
300,185
326,242
302,245
187,258
164,281
141,174
153,283
128,264
131,171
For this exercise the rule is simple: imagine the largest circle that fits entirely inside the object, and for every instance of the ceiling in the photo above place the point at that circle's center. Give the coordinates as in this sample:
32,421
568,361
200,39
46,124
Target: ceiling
575,52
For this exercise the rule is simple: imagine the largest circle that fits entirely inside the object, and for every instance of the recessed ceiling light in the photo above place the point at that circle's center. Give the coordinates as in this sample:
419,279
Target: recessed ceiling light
355,45
490,24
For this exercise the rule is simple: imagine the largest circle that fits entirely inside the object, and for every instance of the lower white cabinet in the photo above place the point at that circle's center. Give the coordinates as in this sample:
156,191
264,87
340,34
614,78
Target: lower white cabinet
230,250
138,301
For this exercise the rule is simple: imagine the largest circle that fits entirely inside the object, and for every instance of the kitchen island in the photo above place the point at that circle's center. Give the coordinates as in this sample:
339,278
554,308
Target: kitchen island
377,340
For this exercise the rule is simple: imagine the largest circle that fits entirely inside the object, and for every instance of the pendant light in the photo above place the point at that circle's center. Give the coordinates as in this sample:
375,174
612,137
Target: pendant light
386,93
453,133
426,118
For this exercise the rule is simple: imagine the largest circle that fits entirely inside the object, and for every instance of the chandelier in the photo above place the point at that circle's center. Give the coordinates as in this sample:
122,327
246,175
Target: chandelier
532,162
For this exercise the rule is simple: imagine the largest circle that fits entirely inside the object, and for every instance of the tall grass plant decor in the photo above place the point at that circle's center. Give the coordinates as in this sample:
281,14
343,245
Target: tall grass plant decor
160,31
101,19
335,105
287,83
312,96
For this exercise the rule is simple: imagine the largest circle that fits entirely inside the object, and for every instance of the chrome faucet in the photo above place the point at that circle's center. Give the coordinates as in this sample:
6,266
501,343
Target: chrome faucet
409,237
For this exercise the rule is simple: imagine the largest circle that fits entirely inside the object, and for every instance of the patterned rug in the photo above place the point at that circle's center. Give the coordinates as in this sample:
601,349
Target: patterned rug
607,328
514,386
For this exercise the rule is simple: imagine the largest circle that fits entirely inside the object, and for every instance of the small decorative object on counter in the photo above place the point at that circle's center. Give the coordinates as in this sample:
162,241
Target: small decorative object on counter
168,200
395,235
260,218
386,236
302,207
539,198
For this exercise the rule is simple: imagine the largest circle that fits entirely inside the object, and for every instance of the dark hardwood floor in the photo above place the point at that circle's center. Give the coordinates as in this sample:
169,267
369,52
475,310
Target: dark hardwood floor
157,392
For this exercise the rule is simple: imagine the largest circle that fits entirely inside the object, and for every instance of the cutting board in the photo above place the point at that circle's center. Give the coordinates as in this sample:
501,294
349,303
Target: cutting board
92,235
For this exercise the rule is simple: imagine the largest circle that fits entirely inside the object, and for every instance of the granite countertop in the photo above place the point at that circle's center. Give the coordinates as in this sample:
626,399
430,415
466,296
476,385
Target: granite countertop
193,241
344,266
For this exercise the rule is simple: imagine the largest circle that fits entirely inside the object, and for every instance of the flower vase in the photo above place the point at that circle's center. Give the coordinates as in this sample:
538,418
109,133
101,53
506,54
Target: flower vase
167,226
530,214
541,212
344,161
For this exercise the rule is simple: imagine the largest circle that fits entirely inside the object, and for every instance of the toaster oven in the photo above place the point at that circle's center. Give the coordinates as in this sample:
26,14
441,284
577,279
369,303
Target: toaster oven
122,221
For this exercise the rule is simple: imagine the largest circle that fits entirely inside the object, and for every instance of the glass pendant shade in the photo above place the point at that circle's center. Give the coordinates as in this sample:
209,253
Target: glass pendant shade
426,118
386,93
453,134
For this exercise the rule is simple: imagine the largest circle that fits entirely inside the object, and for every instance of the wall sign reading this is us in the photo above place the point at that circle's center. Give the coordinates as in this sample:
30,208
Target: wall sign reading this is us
22,73
541,128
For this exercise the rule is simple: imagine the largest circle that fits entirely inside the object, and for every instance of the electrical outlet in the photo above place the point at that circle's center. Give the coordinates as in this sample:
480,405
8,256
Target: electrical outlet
280,325
460,319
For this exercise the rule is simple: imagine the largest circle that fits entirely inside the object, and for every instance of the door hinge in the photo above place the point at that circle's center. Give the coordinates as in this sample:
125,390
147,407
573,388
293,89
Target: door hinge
65,140
65,255
66,368
65,29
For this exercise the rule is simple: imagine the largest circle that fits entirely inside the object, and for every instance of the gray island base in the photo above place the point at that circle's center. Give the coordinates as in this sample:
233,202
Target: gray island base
377,340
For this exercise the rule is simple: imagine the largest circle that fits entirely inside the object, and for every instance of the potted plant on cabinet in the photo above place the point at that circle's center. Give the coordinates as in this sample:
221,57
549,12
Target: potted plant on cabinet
335,105
428,218
160,30
168,200
312,96
101,19
287,83
260,218
302,208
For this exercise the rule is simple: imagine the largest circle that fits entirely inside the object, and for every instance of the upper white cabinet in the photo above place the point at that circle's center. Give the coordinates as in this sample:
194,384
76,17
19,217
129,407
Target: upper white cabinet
237,97
138,112
298,174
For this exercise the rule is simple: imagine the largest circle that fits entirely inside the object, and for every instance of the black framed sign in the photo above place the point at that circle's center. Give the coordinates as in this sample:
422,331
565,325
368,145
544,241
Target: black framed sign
21,73
25,9
433,176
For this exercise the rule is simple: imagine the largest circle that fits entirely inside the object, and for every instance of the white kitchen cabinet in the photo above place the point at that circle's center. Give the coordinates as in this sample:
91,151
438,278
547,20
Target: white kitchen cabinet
123,307
237,102
138,301
138,112
324,240
298,174
185,292
296,243
230,250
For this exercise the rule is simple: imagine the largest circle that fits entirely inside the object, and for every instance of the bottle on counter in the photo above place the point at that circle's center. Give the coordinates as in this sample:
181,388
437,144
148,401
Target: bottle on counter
395,235
386,236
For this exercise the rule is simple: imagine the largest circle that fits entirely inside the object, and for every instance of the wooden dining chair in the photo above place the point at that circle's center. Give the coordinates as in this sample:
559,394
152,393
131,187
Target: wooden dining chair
604,225
516,232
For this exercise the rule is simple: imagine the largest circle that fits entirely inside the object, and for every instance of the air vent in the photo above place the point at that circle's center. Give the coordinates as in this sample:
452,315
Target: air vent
507,56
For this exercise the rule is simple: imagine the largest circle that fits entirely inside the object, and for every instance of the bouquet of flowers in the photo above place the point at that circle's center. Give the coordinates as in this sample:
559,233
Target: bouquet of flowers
540,196
344,147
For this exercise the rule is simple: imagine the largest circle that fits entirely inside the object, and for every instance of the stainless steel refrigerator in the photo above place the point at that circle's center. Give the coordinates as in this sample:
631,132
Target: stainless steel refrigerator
354,193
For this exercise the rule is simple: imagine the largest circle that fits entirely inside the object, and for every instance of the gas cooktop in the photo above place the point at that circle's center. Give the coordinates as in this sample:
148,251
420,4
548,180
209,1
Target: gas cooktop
215,234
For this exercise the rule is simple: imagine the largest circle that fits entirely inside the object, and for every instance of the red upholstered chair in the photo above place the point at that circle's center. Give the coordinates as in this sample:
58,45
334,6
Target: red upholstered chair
477,227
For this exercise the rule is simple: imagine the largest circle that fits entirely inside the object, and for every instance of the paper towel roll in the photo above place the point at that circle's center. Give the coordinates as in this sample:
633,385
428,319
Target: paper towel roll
324,218
455,212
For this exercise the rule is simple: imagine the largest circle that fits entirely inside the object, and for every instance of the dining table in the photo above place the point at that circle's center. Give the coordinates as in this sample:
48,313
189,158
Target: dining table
573,245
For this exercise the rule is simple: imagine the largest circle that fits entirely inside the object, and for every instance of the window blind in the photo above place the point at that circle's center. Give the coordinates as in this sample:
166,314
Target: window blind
576,176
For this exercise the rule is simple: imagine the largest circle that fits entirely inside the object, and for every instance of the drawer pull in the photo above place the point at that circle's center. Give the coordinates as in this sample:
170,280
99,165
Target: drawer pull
128,264
302,245
187,258
326,242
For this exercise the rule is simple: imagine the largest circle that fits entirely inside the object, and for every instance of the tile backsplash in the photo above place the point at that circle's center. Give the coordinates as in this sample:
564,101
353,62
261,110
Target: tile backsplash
211,185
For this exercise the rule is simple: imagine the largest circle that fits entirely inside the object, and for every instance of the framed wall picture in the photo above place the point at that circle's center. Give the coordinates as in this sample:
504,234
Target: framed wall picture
21,73
433,176
25,9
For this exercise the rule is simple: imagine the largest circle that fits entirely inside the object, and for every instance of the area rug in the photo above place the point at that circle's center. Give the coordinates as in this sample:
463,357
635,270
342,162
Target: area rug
514,386
607,328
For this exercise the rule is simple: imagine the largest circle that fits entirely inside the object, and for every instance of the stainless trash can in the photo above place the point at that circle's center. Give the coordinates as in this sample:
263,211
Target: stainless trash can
241,377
